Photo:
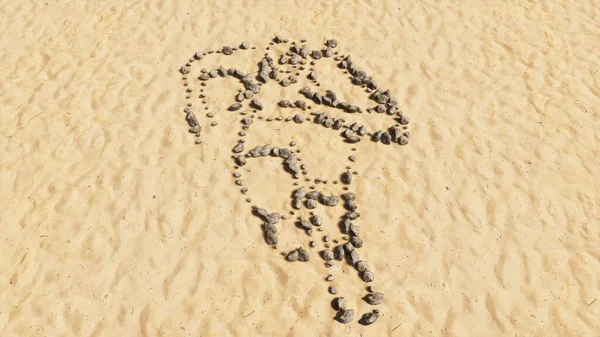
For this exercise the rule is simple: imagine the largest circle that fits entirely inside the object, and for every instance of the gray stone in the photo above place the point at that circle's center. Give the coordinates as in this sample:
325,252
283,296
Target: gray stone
332,290
235,107
345,316
346,177
310,204
204,77
245,45
356,241
316,54
339,252
350,206
298,119
191,119
293,256
361,266
328,52
374,298
256,104
313,195
329,200
349,196
300,193
184,70
284,103
316,220
369,318
331,43
354,257
303,254
199,55
339,303
368,276
213,73
300,104
238,148
312,75
297,203
403,140
327,255
227,50
247,120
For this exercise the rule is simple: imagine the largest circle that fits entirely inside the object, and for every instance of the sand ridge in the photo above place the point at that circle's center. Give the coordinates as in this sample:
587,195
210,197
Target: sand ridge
115,223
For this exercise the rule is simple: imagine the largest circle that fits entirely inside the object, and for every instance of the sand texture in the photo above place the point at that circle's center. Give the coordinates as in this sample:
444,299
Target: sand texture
115,223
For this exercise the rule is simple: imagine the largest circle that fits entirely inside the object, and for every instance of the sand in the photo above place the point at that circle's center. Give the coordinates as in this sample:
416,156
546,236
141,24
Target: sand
114,223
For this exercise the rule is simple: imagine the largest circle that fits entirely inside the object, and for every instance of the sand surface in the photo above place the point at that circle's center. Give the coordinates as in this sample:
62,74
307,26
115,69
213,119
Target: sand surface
114,223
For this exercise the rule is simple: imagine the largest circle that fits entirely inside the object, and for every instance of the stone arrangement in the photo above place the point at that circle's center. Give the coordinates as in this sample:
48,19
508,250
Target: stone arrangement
284,70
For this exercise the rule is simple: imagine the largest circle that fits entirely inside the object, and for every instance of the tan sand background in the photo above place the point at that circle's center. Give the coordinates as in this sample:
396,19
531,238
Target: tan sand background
114,223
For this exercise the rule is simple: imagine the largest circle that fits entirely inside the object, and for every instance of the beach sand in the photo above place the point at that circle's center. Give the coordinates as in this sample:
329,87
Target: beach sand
114,223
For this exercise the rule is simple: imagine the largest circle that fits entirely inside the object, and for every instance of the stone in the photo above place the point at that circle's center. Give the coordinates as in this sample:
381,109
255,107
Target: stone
312,76
184,70
328,52
356,241
346,178
213,73
327,255
293,256
222,72
362,130
300,192
374,298
295,59
238,148
329,200
352,215
403,140
316,54
298,119
192,120
297,203
345,316
386,138
245,45
361,266
235,106
303,254
240,160
227,50
369,318
403,120
348,196
339,303
376,136
300,104
247,120
339,253
310,204
204,77
350,206
199,55
331,43
368,276
353,257
313,195
239,97
329,278
316,220
256,104
284,103
332,290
